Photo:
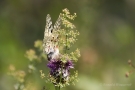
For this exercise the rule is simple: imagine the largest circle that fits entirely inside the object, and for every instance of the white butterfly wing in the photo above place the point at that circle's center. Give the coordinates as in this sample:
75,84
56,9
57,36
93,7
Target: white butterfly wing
47,44
57,24
50,35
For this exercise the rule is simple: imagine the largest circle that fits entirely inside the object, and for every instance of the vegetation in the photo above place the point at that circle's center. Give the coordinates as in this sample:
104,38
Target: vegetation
106,41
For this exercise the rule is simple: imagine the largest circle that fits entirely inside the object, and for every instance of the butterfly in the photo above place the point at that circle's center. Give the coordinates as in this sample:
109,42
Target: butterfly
50,41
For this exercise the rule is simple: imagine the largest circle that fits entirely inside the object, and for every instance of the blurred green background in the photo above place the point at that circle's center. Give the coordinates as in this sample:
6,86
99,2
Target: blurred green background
106,41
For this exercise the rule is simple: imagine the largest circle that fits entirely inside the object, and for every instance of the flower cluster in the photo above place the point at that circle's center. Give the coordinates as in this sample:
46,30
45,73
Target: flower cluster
68,33
131,71
19,76
60,70
22,83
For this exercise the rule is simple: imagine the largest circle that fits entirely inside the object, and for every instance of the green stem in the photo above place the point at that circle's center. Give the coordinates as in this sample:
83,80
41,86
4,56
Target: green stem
66,45
57,88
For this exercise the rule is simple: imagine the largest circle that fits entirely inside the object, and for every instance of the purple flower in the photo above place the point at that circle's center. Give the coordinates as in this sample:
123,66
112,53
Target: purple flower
69,64
58,69
54,64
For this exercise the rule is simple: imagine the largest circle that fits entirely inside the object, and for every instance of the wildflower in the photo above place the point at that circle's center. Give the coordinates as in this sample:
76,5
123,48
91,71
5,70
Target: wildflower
60,70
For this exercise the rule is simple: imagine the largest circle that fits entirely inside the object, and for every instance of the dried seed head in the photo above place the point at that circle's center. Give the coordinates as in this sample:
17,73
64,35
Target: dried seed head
127,74
129,62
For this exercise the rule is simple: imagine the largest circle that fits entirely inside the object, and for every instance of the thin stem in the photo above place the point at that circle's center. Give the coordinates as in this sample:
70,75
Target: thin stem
66,45
57,87
132,65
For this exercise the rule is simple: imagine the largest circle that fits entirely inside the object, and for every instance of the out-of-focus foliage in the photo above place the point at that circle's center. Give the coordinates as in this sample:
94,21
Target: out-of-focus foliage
106,39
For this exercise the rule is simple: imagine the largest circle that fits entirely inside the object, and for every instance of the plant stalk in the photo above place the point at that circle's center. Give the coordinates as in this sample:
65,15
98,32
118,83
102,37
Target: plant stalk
57,87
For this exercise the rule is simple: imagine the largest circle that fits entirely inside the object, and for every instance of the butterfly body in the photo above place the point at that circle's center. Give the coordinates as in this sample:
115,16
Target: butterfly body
53,55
